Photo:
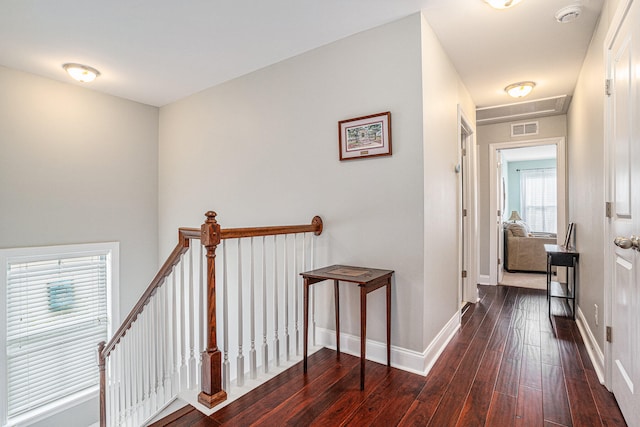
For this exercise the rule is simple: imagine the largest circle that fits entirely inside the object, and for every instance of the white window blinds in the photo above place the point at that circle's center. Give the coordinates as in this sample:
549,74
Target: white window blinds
56,314
538,199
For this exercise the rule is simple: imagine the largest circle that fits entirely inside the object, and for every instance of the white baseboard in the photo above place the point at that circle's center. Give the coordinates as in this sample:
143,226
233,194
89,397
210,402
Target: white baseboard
484,279
595,354
401,358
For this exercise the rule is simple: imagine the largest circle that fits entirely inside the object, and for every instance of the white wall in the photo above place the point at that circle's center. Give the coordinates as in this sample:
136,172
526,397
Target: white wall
549,127
77,166
262,150
442,91
586,175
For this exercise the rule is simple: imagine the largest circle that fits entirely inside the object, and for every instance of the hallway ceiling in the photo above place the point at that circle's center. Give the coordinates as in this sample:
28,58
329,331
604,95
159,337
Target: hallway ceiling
158,51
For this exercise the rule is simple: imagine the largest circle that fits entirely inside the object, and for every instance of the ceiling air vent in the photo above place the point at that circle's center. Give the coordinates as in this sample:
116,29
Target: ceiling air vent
522,129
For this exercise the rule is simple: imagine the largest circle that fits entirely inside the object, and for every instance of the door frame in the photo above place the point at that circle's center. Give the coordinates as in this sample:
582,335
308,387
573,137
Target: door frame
561,162
618,18
471,249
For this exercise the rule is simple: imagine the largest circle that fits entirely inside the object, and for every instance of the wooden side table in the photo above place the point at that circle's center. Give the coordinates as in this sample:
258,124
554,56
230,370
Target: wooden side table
368,279
562,256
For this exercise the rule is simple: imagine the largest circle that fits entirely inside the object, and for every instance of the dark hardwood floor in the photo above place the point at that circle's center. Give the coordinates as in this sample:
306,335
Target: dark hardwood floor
508,365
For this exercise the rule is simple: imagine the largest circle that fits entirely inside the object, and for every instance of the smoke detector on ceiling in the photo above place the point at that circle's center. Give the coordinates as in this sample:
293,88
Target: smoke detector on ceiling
568,14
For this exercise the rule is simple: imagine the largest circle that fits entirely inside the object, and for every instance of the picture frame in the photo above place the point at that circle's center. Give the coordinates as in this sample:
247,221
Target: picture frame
569,235
366,136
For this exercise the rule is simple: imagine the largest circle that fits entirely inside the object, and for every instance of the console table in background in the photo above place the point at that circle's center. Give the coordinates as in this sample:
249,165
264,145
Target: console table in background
561,256
368,279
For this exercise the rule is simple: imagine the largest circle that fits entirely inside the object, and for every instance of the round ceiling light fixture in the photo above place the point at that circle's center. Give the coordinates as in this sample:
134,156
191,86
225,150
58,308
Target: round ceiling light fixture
81,73
568,14
502,4
520,89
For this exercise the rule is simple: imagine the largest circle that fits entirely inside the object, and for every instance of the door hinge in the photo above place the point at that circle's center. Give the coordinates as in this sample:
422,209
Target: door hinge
464,274
608,333
607,87
499,213
464,152
608,208
464,212
499,261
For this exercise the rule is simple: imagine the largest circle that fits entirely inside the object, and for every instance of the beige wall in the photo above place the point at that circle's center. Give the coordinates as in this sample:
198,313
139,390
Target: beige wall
554,126
77,166
442,92
262,149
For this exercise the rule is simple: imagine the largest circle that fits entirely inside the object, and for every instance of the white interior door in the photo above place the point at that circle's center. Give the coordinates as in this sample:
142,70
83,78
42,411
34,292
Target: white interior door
623,137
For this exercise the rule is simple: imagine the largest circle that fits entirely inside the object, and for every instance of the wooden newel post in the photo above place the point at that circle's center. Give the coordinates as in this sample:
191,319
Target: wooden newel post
212,393
103,385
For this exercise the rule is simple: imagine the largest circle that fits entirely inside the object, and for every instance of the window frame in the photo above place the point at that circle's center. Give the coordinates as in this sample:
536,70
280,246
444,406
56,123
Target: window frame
112,250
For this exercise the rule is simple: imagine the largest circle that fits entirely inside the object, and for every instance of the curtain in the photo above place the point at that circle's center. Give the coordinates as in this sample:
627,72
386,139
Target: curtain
538,199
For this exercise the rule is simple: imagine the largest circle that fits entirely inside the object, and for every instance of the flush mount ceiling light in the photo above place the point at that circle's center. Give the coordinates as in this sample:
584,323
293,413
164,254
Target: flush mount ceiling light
81,73
568,14
502,4
519,90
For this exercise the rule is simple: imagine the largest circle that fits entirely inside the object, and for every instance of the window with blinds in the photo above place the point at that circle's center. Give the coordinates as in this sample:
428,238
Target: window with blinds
57,311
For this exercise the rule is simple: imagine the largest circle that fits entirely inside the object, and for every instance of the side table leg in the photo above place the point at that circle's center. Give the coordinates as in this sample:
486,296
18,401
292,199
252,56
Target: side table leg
336,293
549,283
389,322
305,339
574,289
363,333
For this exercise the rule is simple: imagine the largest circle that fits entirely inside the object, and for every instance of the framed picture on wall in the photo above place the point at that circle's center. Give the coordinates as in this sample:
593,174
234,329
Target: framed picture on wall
367,136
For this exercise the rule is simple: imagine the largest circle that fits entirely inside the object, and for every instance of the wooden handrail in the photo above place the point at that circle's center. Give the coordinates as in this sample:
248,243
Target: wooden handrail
236,233
184,235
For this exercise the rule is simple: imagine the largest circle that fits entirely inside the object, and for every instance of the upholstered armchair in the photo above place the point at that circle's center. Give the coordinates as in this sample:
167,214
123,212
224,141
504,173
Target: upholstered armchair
524,251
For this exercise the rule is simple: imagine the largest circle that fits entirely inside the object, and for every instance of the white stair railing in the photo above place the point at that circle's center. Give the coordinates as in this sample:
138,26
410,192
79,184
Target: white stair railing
272,305
154,356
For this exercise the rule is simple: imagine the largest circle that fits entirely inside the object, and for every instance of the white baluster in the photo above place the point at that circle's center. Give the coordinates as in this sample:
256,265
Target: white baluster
286,299
159,347
192,324
124,348
226,367
167,344
118,366
295,290
140,377
120,384
265,346
153,338
128,377
240,358
122,359
131,379
184,318
276,340
304,259
173,333
313,294
253,370
147,366
111,417
135,339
